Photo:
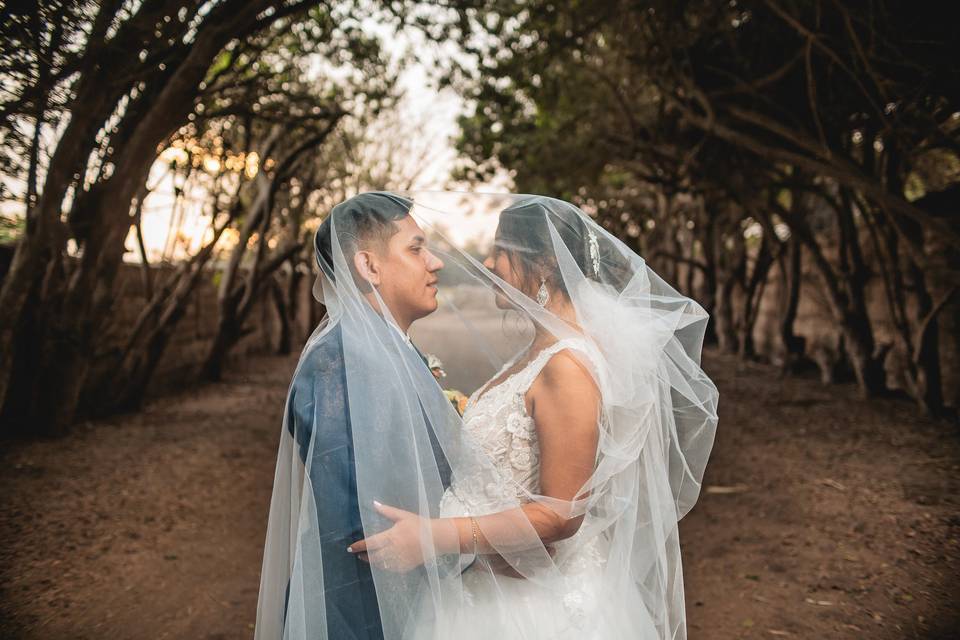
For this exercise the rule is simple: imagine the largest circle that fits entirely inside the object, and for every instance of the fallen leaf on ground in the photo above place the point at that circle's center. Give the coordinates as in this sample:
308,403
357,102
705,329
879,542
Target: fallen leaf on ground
830,482
736,488
822,603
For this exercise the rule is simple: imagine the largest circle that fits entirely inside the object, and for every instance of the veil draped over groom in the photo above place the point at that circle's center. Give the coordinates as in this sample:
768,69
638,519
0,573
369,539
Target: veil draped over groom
411,450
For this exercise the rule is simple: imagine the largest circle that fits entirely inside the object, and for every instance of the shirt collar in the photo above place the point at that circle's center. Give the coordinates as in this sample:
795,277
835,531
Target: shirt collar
405,337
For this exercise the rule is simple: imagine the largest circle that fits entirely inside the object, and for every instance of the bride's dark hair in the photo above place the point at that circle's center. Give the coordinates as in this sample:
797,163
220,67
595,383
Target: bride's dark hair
524,235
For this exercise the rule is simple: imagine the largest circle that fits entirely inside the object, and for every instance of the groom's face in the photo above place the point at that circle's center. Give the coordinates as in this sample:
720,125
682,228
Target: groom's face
405,272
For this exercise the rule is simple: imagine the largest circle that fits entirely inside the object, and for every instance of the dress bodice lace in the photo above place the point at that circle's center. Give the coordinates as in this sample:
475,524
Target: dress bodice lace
496,421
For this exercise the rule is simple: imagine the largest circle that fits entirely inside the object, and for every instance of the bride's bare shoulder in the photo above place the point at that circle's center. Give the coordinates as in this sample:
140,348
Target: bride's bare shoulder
567,371
565,404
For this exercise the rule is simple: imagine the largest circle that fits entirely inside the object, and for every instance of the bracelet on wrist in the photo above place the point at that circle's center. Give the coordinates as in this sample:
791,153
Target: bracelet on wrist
473,529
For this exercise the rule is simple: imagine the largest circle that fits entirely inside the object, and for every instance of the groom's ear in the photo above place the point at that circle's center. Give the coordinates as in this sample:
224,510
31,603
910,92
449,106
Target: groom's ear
367,265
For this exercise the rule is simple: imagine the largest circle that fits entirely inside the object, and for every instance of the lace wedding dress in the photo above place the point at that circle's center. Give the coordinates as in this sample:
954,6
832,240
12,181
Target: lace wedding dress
494,605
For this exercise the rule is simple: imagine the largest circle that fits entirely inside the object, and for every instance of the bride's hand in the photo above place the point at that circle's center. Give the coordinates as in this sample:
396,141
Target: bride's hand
400,547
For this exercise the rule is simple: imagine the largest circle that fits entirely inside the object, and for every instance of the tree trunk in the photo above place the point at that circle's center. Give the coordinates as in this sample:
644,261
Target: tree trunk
929,350
791,279
710,278
285,342
227,335
732,276
752,297
293,296
726,326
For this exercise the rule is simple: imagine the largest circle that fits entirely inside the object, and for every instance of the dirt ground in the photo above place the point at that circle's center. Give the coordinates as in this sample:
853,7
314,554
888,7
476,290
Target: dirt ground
822,516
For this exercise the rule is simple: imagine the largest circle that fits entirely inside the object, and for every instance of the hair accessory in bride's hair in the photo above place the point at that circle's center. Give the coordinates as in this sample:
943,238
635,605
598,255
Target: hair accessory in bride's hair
594,247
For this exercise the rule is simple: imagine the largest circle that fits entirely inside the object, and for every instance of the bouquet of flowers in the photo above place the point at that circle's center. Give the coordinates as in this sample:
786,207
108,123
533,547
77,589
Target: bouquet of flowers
456,397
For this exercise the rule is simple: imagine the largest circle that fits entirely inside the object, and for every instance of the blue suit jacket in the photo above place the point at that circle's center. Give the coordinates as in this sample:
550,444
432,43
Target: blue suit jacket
318,399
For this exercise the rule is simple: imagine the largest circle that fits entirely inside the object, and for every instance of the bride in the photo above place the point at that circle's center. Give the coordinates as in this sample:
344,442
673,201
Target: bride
572,464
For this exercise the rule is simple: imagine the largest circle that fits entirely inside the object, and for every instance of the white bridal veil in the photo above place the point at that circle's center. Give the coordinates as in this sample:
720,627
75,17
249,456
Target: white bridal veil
364,407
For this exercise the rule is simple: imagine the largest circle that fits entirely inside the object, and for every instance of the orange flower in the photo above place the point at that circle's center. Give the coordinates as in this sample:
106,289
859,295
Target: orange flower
457,399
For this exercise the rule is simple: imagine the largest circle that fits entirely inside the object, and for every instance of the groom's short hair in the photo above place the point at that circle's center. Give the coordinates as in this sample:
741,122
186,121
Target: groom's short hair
365,221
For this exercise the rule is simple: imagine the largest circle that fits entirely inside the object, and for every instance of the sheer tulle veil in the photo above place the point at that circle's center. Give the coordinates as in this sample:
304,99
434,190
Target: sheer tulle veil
640,340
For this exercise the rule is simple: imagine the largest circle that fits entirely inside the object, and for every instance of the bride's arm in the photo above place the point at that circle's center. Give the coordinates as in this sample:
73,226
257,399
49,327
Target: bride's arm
564,403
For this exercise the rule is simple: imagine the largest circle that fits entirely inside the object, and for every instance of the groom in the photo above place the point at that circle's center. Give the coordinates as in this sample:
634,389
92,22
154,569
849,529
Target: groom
388,252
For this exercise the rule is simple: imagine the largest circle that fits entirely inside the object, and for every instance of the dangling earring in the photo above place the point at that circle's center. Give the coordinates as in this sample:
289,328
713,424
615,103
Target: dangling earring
543,296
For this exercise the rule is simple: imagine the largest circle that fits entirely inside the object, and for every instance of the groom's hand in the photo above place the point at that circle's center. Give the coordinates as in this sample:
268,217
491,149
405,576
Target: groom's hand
400,548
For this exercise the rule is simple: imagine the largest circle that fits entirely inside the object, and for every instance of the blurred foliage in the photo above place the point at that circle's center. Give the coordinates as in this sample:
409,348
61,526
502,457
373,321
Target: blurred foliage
11,228
581,99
